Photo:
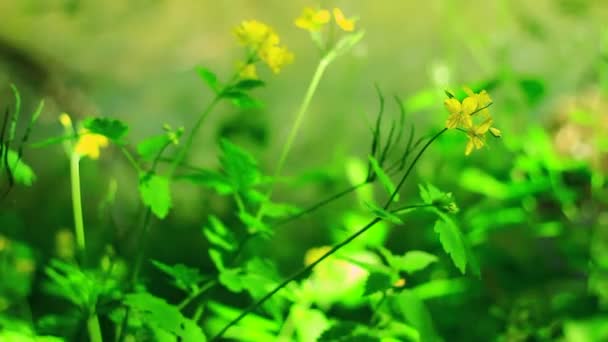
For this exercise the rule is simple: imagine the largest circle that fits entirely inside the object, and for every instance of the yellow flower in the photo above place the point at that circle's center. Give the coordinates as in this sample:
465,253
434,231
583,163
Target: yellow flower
477,136
312,20
253,33
276,57
89,144
248,71
345,24
460,112
483,100
65,120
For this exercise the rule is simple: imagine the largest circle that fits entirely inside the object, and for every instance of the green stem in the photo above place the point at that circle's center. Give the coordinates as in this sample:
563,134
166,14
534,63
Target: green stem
92,321
334,249
77,204
193,295
94,328
312,88
190,139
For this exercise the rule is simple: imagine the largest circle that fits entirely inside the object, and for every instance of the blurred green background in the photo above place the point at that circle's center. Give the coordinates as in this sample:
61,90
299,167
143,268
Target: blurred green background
534,205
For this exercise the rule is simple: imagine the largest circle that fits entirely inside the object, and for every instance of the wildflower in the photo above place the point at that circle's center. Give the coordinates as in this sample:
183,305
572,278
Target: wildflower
89,144
477,136
253,34
460,112
262,40
483,100
312,20
276,57
248,71
345,24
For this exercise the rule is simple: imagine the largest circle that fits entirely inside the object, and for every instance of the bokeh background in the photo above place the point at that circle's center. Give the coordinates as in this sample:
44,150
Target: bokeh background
534,204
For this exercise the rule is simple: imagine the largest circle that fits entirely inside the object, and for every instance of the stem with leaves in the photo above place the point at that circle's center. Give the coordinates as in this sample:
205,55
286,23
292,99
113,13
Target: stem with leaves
334,249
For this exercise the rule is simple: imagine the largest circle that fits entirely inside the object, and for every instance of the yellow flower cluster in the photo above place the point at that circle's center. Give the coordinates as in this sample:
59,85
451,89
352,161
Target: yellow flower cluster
264,42
462,115
313,20
88,144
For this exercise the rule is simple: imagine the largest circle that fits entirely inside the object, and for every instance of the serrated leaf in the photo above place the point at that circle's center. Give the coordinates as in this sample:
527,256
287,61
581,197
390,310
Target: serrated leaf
413,261
155,193
377,282
112,129
219,235
383,214
184,277
149,148
22,173
452,242
239,166
387,183
208,77
158,314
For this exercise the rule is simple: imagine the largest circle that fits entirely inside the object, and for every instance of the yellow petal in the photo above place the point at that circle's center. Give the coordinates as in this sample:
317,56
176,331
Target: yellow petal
345,24
469,91
469,147
452,105
322,17
483,128
478,142
469,105
495,132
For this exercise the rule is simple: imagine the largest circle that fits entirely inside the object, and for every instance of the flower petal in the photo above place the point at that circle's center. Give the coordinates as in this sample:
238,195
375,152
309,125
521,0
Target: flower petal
469,105
452,105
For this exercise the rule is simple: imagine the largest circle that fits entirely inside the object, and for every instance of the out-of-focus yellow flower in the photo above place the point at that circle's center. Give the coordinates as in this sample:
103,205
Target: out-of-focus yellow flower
64,244
477,136
89,144
345,24
248,71
262,39
276,57
65,120
253,33
312,19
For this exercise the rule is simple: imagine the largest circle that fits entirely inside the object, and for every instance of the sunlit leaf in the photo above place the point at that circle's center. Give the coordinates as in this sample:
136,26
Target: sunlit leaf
387,183
149,148
155,193
452,242
383,214
22,173
209,77
219,235
413,261
184,277
415,312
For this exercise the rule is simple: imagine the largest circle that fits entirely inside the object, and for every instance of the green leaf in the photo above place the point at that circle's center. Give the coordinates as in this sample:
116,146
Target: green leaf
217,259
378,282
248,84
211,179
413,261
383,177
239,166
155,193
415,312
241,99
112,129
452,241
345,44
149,148
158,314
22,173
383,214
184,277
219,235
209,77
441,200
233,279
338,331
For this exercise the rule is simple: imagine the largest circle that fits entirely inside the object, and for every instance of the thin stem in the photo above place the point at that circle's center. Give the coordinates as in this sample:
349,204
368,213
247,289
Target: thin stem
334,249
312,88
77,204
195,294
190,139
130,158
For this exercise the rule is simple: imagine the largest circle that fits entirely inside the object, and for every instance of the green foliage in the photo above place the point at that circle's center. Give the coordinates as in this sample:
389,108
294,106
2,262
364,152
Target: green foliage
165,320
155,193
184,278
21,172
452,242
377,282
383,177
113,129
